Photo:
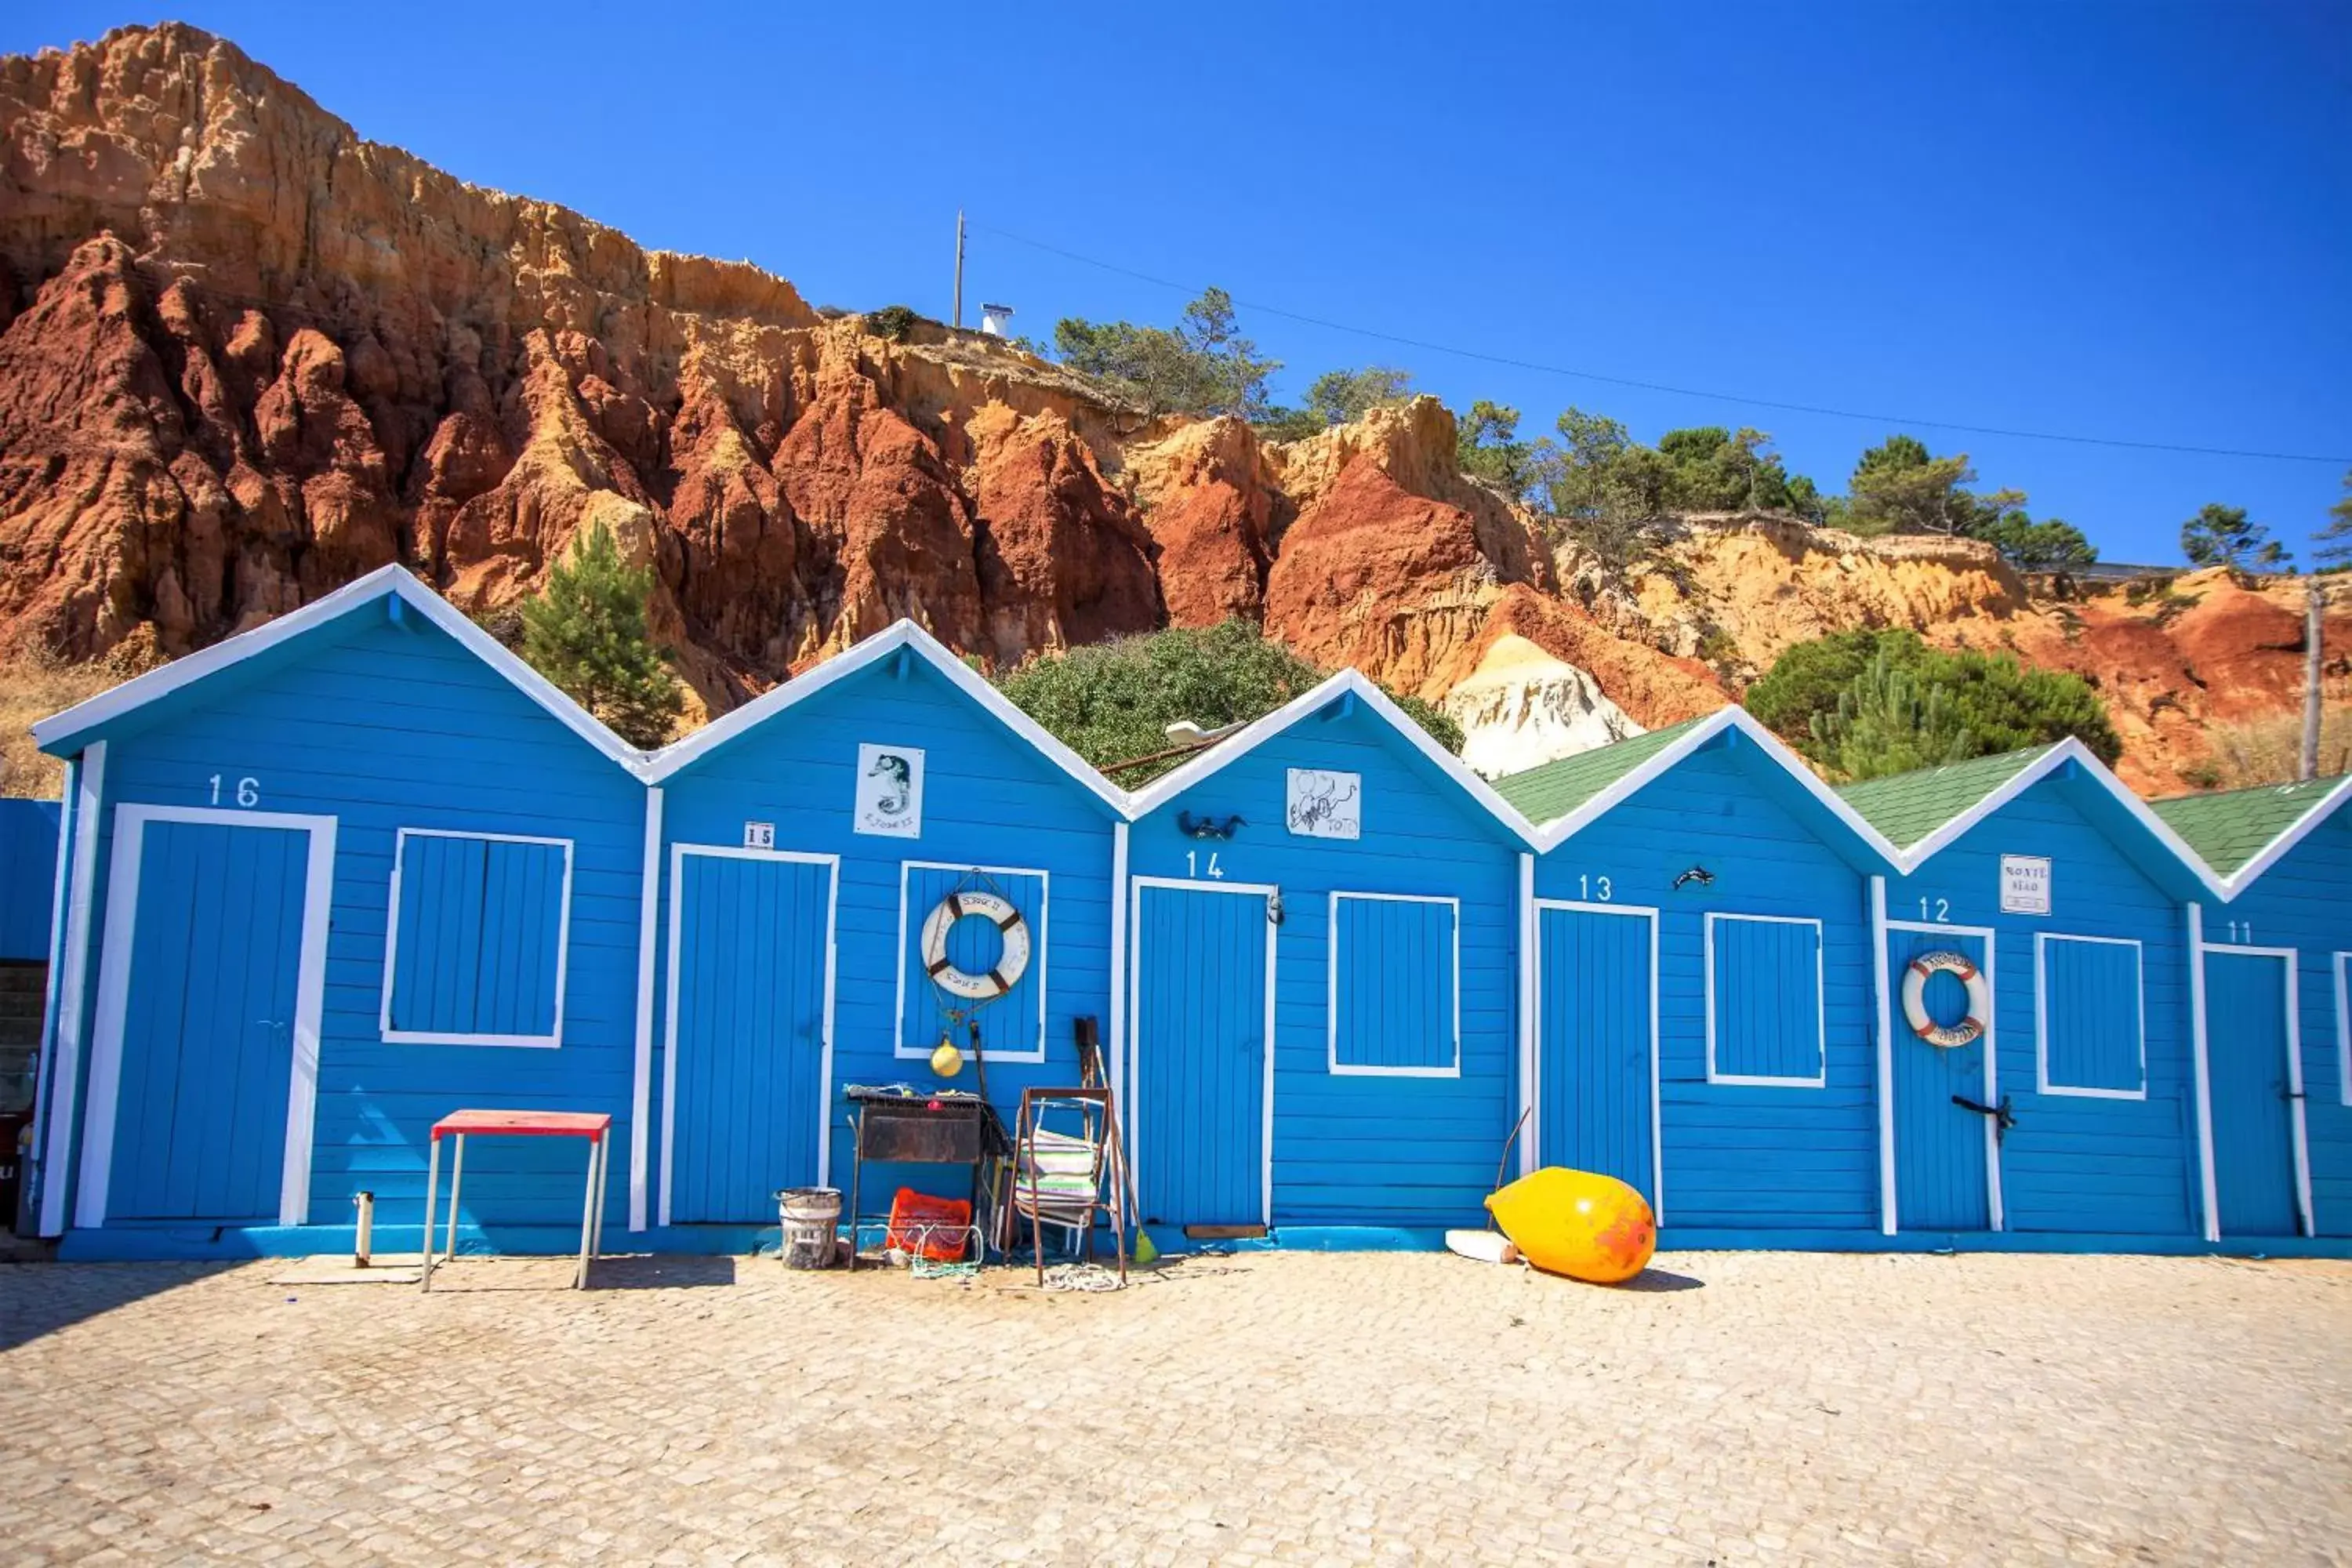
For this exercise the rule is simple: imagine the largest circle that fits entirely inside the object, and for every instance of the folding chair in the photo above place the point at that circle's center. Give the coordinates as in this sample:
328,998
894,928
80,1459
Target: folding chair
1068,1175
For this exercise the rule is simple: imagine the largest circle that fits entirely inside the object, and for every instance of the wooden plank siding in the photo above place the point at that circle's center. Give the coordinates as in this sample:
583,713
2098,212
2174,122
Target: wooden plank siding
2303,901
1740,1157
30,833
989,799
383,727
2072,1162
1377,1150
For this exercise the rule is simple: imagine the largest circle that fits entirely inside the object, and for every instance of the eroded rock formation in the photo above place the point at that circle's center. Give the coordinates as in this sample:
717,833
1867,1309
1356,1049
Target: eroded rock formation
245,355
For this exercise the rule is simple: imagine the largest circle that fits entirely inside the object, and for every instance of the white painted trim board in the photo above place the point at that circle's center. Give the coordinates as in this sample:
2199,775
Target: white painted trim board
553,1036
114,996
1331,964
677,855
1268,890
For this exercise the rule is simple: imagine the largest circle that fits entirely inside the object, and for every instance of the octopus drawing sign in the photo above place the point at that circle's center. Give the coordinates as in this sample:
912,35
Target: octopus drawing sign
1323,804
889,791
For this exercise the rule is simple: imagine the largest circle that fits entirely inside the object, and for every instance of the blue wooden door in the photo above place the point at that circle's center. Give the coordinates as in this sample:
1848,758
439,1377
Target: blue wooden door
208,1022
753,934
1201,1048
1595,1038
2246,1042
1940,1171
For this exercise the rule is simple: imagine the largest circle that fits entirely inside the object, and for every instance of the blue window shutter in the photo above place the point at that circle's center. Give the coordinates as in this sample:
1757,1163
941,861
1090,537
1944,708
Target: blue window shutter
1767,1022
479,937
2091,1016
1393,981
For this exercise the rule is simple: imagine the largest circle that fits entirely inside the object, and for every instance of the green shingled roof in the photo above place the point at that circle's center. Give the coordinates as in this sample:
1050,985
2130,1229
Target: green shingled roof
1907,807
1551,791
2231,828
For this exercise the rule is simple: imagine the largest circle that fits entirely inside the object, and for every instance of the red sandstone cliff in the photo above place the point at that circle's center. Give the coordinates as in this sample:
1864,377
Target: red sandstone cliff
245,355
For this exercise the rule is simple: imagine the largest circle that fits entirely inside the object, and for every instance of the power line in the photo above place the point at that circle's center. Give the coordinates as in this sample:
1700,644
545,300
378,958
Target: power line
1594,375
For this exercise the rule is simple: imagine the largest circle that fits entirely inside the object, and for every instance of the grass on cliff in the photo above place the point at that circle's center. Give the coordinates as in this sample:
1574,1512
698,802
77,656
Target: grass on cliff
34,686
2269,751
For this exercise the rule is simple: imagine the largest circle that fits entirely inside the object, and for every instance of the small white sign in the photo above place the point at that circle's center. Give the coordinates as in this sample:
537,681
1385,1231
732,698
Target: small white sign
1323,804
759,836
889,791
2025,884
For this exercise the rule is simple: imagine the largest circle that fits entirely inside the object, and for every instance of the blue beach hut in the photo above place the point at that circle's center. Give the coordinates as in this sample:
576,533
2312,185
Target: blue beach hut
1323,978
800,853
326,881
2042,1061
2276,974
1700,1011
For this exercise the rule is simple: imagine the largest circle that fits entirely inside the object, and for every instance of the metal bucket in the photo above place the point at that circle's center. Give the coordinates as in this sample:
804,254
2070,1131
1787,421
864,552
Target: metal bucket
810,1216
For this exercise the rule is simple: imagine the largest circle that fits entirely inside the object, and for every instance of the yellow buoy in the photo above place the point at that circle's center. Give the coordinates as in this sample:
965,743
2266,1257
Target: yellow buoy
947,1061
1577,1223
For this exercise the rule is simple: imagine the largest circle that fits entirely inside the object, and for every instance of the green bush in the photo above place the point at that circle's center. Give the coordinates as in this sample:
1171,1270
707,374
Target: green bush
1997,704
891,324
1112,702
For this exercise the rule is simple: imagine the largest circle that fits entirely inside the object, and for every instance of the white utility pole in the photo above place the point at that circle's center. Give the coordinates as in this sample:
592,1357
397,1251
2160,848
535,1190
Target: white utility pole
959,283
2314,619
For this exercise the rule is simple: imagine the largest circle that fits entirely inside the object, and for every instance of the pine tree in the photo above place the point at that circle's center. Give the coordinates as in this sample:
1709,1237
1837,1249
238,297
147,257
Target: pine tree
2224,536
1891,721
587,632
2331,547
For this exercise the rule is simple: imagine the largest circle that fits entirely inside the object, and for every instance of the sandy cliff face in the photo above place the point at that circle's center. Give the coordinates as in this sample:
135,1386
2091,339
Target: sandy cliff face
2170,661
1523,707
245,355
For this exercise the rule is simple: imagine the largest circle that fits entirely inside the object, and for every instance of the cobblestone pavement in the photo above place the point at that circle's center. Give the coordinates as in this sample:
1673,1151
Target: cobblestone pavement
1294,1408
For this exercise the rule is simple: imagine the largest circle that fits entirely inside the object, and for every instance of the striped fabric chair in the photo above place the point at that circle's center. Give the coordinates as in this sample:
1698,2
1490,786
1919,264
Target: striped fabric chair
1070,1174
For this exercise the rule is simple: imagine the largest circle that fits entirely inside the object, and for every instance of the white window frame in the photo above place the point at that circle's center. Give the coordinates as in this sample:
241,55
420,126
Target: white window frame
1331,994
2344,1028
550,1040
1820,1078
1037,951
2042,1081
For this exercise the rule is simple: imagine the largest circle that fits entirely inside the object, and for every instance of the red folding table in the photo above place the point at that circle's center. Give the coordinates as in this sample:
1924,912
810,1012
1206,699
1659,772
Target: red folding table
462,1124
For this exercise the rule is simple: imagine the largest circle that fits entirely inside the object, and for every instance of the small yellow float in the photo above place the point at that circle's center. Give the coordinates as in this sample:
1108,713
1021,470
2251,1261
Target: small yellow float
1578,1223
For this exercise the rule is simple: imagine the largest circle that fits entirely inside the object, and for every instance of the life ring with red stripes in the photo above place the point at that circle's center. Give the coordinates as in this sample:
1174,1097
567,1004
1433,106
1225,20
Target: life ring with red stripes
1010,965
1969,1028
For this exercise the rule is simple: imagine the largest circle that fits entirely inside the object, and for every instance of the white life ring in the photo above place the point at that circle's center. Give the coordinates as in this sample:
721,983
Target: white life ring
1010,965
1971,1027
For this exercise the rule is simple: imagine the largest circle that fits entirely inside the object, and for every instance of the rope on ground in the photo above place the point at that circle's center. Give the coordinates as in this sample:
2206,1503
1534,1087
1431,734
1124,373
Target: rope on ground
1082,1276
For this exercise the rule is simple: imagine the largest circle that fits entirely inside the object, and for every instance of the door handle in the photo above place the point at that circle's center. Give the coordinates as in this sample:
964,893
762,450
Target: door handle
2003,1118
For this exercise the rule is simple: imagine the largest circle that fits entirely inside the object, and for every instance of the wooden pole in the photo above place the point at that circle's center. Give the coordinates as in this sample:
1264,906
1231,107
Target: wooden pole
2314,613
959,278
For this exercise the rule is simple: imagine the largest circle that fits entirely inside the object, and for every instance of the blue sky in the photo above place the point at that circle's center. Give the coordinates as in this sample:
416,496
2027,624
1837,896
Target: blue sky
2129,220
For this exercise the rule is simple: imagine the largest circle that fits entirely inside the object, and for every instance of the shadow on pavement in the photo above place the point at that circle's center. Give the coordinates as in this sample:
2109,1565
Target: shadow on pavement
37,1298
1660,1280
659,1272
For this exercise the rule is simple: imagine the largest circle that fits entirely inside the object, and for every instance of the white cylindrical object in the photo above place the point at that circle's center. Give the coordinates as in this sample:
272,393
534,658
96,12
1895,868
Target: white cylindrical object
363,1244
810,1216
